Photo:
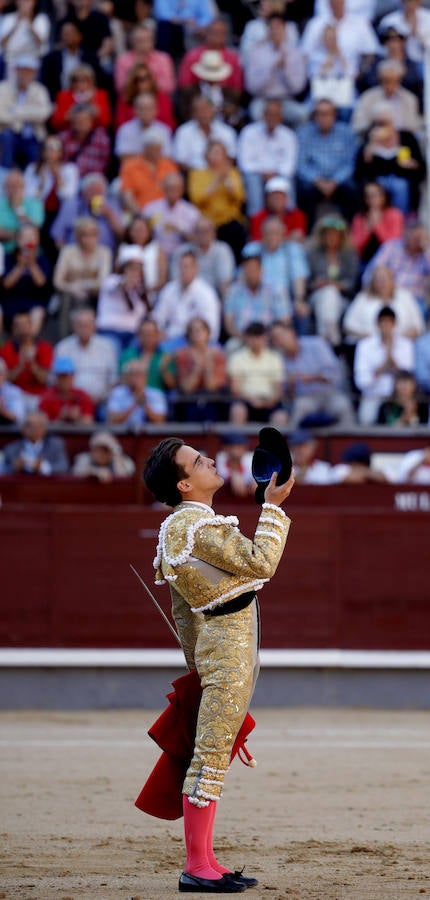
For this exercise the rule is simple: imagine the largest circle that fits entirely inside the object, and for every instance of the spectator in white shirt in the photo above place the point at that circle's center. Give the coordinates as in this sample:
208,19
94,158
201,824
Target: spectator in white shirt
23,32
123,300
191,138
414,21
25,107
276,68
415,467
377,359
265,149
360,319
308,469
355,36
184,298
234,463
94,356
402,103
129,139
255,31
364,8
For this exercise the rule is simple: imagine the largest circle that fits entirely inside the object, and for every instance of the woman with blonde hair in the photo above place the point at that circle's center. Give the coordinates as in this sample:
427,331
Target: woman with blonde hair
140,80
82,89
361,316
80,271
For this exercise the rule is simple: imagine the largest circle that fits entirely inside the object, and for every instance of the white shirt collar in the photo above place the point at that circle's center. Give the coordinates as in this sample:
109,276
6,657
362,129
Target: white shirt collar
197,503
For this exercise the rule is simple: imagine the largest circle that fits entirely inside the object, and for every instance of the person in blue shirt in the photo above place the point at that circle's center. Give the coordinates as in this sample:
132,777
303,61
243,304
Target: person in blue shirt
422,362
285,268
133,403
180,24
250,299
325,168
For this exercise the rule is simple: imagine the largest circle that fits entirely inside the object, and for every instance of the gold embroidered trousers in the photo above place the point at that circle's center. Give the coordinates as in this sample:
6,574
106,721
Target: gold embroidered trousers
226,658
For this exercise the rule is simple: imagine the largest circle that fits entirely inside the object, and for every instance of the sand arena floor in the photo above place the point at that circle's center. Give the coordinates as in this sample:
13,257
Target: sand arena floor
337,809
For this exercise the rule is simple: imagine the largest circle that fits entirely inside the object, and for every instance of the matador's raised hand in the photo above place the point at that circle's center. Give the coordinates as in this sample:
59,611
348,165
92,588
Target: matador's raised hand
277,493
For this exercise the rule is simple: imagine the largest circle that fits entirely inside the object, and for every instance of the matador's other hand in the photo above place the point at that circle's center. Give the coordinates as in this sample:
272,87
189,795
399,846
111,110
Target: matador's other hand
277,493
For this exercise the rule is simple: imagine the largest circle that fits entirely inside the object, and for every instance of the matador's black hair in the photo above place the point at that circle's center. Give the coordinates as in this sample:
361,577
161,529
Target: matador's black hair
161,473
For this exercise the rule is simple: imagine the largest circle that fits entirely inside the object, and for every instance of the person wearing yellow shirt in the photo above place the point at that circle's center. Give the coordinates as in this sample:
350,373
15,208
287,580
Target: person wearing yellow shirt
218,192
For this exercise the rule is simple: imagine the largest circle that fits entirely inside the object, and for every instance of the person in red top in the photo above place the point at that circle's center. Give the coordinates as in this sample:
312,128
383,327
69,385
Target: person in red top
82,89
277,192
376,222
28,360
140,81
63,402
216,39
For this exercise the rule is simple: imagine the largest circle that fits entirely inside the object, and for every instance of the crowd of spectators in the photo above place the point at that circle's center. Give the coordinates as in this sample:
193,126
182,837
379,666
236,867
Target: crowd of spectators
210,214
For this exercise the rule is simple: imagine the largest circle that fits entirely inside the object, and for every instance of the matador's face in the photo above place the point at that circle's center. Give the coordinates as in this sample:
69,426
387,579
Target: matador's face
202,479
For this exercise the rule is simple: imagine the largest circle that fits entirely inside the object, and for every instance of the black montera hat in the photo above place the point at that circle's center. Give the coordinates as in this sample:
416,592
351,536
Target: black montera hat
271,455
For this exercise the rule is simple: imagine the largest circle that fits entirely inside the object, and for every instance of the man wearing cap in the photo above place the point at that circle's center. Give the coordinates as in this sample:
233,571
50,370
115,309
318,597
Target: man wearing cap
211,69
25,108
277,192
213,572
194,66
141,177
63,402
285,268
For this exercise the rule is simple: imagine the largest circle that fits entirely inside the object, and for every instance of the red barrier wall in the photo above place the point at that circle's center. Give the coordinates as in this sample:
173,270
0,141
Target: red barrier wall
355,574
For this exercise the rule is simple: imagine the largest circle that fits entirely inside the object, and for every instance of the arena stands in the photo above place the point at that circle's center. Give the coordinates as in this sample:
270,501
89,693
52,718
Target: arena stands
179,181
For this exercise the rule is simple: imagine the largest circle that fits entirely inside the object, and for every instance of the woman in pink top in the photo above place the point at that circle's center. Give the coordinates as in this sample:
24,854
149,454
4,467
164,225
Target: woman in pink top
376,223
142,51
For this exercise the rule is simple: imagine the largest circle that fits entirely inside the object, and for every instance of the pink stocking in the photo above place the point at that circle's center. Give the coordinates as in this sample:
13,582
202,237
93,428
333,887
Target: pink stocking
198,821
211,855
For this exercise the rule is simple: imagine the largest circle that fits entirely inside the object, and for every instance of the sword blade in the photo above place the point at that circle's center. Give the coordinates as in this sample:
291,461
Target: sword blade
151,595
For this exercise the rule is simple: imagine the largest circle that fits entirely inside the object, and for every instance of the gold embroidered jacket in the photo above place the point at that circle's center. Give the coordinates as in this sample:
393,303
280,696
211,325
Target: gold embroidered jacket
210,561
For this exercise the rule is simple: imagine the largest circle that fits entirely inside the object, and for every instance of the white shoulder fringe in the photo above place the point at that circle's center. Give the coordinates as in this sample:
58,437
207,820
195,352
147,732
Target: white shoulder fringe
190,537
